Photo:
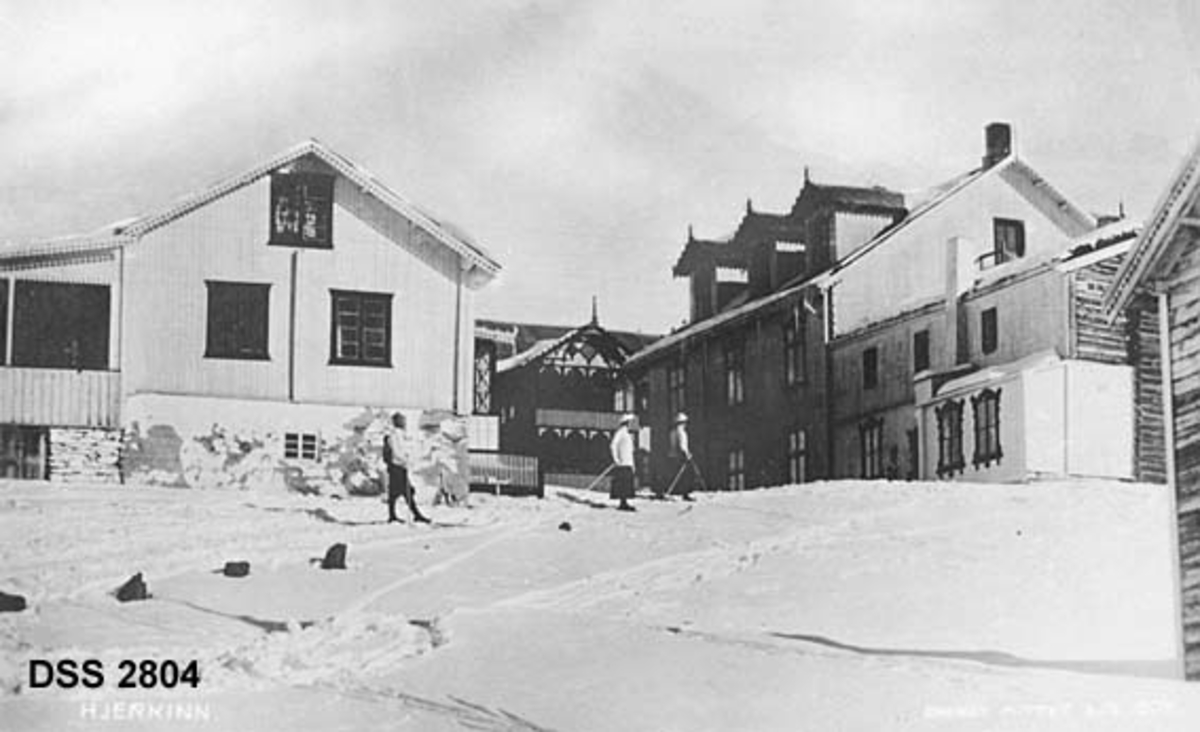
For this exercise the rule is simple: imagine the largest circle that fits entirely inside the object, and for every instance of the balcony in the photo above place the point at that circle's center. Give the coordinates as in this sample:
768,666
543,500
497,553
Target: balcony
59,397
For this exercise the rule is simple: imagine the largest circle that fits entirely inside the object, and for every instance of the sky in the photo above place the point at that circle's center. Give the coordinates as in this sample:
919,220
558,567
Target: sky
577,141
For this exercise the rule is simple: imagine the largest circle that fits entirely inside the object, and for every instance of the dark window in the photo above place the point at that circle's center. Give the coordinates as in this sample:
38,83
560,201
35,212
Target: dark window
914,454
870,436
735,373
870,368
642,399
3,322
950,434
1009,240
238,314
797,456
302,210
793,348
920,351
60,325
676,388
987,428
362,329
303,446
735,474
485,371
24,452
990,335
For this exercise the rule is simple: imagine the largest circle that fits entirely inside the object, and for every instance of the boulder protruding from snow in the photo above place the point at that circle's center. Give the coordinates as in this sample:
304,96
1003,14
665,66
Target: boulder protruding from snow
11,603
236,569
133,589
335,558
564,526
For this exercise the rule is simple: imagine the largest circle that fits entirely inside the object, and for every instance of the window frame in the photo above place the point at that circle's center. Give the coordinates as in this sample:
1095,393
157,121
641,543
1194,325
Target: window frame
61,325
795,371
484,378
986,411
921,351
735,469
870,368
735,373
302,446
214,334
797,455
315,191
1000,228
677,387
4,290
950,438
989,330
335,356
870,444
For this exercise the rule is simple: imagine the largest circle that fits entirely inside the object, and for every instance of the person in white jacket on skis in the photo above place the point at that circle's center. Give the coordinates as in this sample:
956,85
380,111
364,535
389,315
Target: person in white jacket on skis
622,457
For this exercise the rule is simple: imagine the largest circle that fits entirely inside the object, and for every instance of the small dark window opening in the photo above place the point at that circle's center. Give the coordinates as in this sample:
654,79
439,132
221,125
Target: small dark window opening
60,325
794,348
238,320
301,445
735,475
950,436
920,351
302,210
676,388
990,338
735,373
1009,239
797,456
3,322
870,368
361,329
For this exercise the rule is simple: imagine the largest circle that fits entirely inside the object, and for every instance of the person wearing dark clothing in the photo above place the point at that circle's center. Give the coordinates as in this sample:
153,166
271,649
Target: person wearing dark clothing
682,468
396,450
622,457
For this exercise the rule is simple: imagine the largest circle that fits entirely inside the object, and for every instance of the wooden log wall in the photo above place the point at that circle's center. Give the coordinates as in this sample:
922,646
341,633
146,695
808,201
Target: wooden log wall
1095,339
1185,387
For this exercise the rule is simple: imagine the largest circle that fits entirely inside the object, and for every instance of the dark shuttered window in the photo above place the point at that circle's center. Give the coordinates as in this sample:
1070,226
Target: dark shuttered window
60,325
238,317
362,328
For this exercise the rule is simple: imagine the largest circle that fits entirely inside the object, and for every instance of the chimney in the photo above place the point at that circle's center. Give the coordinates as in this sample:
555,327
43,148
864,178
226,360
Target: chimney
998,143
956,345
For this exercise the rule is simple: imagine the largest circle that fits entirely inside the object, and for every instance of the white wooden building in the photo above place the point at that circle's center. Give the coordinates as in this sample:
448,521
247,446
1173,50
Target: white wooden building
269,312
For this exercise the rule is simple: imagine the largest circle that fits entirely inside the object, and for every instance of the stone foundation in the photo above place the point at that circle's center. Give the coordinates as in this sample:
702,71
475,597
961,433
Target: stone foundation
81,455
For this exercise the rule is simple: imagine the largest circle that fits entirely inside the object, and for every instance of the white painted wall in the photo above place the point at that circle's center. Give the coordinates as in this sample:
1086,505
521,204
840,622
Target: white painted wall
909,268
1100,420
1046,419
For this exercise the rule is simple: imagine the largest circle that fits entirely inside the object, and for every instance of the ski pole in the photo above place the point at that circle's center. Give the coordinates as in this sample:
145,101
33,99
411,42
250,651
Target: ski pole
600,477
671,485
703,485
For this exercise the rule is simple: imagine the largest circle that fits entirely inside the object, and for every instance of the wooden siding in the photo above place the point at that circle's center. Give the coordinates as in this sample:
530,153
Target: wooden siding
1150,449
374,250
59,398
1185,381
1093,337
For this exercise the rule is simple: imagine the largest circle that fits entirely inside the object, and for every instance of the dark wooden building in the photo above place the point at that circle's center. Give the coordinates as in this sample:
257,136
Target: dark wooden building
1160,279
554,391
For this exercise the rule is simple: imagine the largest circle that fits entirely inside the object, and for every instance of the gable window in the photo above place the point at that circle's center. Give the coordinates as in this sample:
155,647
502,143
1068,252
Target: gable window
301,445
950,434
362,328
797,456
870,438
870,368
920,351
1009,241
987,428
676,388
990,336
793,348
641,395
237,320
302,210
735,373
60,325
735,474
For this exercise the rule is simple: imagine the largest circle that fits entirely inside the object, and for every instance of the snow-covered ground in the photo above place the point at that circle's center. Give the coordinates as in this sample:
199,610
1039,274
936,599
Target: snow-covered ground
850,606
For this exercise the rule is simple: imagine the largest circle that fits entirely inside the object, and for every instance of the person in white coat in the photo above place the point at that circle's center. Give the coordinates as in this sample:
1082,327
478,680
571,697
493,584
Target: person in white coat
622,456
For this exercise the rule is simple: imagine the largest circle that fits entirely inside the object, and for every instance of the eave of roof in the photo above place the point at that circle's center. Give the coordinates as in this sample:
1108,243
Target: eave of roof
1157,235
129,230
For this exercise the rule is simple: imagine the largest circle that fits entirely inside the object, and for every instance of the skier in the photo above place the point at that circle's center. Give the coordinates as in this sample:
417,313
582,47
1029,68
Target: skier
622,456
681,460
396,450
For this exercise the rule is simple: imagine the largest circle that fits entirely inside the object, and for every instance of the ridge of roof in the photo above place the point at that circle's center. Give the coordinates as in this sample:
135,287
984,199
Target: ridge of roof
128,230
1157,234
